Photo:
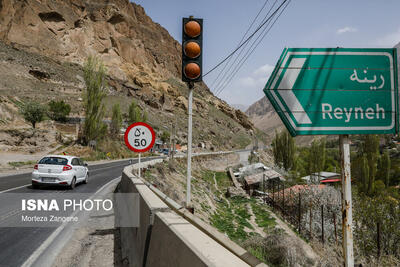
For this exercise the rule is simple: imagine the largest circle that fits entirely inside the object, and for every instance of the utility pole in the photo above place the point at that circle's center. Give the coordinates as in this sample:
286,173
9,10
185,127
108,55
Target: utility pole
347,219
263,186
170,142
174,139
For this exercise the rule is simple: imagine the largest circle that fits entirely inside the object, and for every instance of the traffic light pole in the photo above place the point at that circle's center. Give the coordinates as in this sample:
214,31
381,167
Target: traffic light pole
189,146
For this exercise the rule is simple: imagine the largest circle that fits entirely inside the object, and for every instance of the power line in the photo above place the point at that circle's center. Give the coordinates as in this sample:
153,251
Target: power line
248,29
234,51
248,53
232,76
218,85
226,75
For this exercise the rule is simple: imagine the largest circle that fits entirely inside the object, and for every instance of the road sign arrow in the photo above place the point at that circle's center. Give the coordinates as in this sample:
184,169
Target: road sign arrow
286,92
336,90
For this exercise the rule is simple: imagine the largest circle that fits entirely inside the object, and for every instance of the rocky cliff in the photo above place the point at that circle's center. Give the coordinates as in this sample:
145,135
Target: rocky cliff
43,44
264,117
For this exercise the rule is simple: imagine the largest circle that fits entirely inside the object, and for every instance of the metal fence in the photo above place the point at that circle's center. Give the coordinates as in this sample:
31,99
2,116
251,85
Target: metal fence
310,220
315,219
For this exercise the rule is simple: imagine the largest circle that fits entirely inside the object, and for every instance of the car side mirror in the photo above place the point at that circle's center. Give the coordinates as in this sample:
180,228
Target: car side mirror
85,164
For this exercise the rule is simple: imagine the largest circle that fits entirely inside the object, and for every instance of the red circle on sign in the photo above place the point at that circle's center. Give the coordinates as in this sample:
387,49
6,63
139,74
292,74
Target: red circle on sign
153,137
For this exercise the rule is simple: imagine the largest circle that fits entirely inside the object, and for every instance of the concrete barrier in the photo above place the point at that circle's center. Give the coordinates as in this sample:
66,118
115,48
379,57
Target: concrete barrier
169,238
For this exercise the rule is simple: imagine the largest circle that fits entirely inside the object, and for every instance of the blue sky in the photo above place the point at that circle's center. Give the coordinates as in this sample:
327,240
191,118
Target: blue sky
305,23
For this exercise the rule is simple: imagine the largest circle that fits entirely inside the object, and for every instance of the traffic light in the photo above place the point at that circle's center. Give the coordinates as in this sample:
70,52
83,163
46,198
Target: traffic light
192,41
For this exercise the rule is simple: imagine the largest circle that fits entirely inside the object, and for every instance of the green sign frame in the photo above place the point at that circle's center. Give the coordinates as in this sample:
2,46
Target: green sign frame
325,91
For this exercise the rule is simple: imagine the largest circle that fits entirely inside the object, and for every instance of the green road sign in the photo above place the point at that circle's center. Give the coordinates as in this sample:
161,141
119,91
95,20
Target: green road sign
336,90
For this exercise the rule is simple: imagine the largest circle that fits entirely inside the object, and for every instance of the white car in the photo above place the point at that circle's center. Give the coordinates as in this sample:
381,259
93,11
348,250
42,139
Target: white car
60,170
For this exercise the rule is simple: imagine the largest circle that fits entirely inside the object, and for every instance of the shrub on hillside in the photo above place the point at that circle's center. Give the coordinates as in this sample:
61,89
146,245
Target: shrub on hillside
116,120
33,112
58,110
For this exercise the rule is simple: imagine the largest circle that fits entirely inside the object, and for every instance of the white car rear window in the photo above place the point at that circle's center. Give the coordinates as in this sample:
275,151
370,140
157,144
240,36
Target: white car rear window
53,161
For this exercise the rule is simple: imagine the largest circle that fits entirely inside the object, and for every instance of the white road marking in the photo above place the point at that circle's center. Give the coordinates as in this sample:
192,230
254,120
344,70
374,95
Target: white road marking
107,167
38,252
14,188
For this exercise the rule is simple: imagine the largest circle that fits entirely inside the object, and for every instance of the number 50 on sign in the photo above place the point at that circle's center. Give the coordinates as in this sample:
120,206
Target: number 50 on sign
140,137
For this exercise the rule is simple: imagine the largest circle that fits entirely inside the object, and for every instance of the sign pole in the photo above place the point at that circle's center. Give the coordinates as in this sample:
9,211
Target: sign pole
347,215
189,146
139,164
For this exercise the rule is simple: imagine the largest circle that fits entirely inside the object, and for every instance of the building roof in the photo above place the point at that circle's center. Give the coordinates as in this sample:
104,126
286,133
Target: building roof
158,142
257,178
299,187
330,180
321,176
253,167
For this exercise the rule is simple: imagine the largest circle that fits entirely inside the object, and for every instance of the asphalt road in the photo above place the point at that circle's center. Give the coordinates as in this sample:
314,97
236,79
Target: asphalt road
18,243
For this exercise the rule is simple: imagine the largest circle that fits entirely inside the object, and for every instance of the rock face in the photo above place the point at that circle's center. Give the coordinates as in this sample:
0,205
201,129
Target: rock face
264,117
120,31
261,107
142,59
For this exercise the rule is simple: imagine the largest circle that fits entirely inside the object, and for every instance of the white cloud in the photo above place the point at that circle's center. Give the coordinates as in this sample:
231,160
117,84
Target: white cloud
390,39
246,90
258,78
248,81
265,70
346,29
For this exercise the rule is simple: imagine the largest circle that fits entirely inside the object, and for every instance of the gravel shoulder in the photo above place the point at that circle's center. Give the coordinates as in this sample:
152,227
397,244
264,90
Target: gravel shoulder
95,243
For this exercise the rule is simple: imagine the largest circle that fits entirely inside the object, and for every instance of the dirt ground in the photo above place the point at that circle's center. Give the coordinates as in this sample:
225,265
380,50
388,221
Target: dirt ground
96,243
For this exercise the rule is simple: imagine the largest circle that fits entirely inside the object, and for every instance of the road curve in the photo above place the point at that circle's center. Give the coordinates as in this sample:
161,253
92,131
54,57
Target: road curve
18,243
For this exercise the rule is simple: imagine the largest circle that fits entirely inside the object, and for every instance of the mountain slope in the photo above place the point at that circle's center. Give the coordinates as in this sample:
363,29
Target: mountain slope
43,45
264,117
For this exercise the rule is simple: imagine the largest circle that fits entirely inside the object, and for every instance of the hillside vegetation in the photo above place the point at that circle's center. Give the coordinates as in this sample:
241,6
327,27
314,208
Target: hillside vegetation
42,51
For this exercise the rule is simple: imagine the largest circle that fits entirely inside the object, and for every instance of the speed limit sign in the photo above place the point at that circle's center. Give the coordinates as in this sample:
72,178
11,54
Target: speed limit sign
140,137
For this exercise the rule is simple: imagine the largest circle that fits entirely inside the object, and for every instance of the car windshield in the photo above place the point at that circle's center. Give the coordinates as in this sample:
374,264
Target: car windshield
54,161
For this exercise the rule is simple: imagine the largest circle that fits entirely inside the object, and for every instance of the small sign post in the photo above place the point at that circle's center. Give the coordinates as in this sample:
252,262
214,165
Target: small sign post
139,137
326,91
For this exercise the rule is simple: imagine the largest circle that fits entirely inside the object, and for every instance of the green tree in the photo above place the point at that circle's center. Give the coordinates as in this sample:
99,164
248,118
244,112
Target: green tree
165,136
33,112
132,118
116,120
58,110
136,114
385,167
364,173
275,149
95,80
370,148
317,156
284,150
144,116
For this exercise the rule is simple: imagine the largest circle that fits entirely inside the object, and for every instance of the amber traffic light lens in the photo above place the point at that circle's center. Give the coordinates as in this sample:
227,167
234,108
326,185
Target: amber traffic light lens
192,70
192,49
192,28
